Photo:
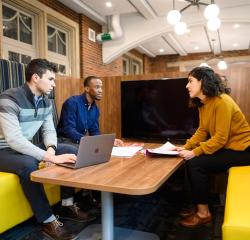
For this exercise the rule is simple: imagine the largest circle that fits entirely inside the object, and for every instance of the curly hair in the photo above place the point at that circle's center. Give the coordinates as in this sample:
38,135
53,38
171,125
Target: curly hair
211,83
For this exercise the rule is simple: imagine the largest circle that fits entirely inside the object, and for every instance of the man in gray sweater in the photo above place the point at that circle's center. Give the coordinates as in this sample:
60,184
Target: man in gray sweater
23,111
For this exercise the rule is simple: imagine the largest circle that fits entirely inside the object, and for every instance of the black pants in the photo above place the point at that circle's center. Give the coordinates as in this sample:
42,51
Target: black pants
200,167
22,165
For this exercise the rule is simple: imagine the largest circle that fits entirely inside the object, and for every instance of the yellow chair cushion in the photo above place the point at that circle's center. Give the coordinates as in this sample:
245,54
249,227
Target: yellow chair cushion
236,224
14,207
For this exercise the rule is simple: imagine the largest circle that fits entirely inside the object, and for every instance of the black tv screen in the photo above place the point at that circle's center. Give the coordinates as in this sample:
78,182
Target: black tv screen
157,110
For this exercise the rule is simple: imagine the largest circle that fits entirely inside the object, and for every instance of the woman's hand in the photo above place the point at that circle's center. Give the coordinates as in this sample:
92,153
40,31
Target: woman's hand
118,143
186,154
178,149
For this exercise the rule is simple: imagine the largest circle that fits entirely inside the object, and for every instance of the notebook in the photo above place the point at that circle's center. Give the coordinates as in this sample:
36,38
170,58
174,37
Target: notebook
93,150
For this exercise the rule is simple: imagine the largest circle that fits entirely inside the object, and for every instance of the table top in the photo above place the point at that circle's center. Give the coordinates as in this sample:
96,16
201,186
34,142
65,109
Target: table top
137,175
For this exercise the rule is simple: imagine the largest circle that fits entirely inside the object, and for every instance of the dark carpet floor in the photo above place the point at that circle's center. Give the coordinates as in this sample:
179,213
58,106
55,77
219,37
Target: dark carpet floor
156,213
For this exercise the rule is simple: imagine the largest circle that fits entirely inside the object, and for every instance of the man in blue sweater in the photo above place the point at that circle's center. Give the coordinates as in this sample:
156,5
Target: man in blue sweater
80,114
23,111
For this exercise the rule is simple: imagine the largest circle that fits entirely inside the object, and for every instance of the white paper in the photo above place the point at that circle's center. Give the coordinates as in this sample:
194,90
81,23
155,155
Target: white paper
166,149
125,151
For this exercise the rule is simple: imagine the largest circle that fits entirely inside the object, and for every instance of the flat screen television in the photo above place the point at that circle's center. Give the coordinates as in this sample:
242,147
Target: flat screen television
157,110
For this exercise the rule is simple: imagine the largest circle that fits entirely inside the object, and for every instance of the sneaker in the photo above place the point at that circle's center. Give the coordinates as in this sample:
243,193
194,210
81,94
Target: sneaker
55,230
75,213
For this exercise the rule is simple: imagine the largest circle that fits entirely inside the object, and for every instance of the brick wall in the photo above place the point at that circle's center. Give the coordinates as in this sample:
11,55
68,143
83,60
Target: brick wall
147,64
59,7
91,53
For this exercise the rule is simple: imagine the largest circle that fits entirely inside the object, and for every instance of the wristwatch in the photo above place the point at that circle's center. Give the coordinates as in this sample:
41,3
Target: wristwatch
51,146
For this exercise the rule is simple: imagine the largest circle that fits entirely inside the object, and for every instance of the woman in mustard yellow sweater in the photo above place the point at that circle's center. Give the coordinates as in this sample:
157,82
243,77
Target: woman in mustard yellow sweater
221,141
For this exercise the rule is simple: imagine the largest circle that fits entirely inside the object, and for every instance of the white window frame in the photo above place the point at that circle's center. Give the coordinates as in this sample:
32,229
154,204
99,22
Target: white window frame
16,45
136,67
44,15
133,61
59,58
126,69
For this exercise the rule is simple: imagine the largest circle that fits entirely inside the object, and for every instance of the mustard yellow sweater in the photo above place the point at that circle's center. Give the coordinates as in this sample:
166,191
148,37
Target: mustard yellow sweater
222,125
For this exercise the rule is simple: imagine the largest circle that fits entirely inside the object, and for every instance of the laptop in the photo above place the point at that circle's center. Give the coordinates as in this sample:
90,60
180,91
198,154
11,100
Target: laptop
93,150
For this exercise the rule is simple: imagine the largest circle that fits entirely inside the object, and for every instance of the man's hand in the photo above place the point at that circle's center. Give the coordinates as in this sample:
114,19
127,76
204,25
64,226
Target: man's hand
118,143
51,151
69,158
63,158
186,154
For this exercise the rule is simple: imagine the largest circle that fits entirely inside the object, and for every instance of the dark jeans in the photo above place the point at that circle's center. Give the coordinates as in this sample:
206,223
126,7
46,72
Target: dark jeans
68,141
200,167
22,165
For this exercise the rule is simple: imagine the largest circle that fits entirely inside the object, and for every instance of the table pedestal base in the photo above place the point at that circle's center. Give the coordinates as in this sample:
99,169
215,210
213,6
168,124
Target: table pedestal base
93,232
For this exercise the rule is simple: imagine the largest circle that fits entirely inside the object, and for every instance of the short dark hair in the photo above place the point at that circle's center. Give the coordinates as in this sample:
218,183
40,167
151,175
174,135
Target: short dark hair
88,79
39,66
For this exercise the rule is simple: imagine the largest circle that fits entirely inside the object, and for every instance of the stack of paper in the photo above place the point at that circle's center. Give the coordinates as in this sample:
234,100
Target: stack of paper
125,151
166,149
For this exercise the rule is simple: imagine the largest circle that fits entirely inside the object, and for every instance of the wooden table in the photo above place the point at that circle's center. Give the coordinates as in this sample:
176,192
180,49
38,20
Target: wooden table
138,175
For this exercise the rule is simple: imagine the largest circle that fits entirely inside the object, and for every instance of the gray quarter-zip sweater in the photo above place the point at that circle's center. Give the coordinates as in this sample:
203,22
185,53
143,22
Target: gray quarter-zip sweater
20,119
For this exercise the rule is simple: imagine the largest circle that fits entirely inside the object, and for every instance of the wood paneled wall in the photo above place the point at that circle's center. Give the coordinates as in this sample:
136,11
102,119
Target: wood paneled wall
65,87
239,81
110,105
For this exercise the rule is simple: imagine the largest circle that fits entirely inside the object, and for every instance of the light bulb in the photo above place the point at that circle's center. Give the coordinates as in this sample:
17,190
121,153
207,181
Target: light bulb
213,24
222,65
204,64
173,17
108,4
211,11
180,28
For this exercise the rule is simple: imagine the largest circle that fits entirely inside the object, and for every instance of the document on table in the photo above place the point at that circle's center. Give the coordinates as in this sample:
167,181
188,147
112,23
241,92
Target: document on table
166,149
128,151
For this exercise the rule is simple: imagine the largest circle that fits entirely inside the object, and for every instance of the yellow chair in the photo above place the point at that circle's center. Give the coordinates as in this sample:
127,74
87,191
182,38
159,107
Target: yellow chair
236,224
14,207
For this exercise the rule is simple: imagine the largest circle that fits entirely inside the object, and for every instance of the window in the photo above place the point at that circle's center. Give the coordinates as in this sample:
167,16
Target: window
18,34
125,62
57,47
135,67
17,25
132,65
31,30
18,57
56,40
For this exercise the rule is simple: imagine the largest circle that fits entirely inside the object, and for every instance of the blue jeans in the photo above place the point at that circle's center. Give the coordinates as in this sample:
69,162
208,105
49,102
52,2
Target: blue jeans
22,165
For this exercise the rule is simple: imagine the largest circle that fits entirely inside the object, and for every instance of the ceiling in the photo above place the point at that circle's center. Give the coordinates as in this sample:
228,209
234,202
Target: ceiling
198,39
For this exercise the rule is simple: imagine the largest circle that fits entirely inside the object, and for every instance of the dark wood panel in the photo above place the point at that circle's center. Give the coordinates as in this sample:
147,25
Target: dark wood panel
238,80
65,87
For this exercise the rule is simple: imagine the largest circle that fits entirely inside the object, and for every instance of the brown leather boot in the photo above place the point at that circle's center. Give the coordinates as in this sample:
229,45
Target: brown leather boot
75,213
195,220
54,230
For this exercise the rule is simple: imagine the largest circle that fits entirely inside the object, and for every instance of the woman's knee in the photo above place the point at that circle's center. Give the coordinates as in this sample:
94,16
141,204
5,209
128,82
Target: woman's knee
193,163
